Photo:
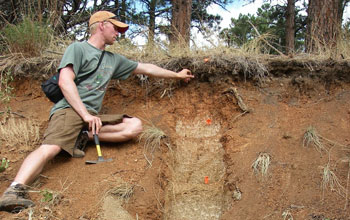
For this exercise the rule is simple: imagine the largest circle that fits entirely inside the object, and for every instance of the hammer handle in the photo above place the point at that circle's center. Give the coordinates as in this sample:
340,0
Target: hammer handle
98,148
97,141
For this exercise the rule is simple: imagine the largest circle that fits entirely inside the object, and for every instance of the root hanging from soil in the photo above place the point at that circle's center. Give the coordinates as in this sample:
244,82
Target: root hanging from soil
240,102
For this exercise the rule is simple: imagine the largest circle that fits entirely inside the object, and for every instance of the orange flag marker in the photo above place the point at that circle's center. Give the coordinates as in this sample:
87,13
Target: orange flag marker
208,121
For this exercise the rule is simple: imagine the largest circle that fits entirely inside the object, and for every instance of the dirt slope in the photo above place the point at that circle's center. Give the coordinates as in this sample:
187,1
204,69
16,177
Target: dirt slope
207,135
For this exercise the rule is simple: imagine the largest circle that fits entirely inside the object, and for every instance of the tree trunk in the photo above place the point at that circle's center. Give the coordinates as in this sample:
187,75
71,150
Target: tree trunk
123,15
342,5
323,25
152,22
116,5
180,23
290,27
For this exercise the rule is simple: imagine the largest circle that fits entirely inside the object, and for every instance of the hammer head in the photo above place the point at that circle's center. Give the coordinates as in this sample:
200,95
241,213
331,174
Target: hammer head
99,160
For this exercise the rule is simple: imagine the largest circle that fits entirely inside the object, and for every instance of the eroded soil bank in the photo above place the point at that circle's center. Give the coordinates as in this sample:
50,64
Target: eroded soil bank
207,135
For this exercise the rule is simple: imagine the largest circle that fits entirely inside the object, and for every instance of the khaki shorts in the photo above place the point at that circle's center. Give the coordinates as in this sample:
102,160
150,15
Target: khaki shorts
65,126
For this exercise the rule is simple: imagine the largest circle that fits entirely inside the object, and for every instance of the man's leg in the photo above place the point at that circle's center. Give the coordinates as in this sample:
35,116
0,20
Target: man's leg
35,162
15,197
128,129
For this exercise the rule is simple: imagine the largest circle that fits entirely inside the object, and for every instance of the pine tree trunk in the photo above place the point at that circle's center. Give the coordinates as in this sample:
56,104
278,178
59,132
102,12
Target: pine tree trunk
152,22
323,25
181,22
290,27
123,15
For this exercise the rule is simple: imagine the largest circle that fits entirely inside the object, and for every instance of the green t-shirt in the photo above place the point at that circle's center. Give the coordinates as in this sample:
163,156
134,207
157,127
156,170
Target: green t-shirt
84,57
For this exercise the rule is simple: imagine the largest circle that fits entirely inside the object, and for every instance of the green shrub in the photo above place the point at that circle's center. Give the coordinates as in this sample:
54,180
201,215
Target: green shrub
27,37
47,195
4,164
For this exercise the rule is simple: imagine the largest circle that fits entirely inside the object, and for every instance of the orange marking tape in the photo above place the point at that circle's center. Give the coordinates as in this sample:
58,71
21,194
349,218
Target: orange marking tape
206,179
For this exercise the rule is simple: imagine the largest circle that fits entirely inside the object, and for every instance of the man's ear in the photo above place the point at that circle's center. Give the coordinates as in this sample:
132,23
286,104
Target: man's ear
101,25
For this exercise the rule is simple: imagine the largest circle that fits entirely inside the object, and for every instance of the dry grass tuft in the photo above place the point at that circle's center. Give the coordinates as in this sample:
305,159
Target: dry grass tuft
343,45
20,133
323,49
311,136
259,45
152,137
124,47
329,179
261,164
287,215
123,191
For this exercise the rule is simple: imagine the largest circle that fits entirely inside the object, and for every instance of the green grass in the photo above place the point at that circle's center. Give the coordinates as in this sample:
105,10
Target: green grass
4,164
28,37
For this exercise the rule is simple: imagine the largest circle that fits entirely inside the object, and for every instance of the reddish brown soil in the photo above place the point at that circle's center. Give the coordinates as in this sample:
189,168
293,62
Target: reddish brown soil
280,115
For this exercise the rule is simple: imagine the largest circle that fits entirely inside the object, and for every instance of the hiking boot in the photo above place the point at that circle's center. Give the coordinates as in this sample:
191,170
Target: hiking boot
80,144
78,153
15,199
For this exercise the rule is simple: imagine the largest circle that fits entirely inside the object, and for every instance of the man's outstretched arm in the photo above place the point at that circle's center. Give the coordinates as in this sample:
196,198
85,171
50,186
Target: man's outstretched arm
156,71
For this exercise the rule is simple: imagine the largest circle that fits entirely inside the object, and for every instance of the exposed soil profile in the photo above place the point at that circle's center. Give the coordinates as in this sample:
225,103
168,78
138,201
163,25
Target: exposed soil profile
285,158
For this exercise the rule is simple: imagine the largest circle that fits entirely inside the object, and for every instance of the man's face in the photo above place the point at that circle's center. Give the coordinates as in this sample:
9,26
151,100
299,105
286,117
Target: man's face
110,32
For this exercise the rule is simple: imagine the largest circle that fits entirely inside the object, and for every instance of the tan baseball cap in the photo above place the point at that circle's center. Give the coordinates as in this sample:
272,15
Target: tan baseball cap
108,16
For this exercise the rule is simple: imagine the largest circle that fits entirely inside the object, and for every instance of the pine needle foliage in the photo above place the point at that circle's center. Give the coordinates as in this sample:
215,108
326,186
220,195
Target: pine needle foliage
28,38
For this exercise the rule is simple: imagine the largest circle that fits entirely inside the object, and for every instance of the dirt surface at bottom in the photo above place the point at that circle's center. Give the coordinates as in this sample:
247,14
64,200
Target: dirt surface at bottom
205,165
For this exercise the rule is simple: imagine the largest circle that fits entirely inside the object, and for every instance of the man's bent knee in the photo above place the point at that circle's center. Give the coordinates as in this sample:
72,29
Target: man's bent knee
134,126
49,151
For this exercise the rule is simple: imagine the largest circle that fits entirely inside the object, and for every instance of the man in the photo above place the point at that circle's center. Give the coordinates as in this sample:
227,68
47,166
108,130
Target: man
81,103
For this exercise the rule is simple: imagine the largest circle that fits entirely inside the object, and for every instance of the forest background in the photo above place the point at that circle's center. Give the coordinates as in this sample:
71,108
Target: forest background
282,27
